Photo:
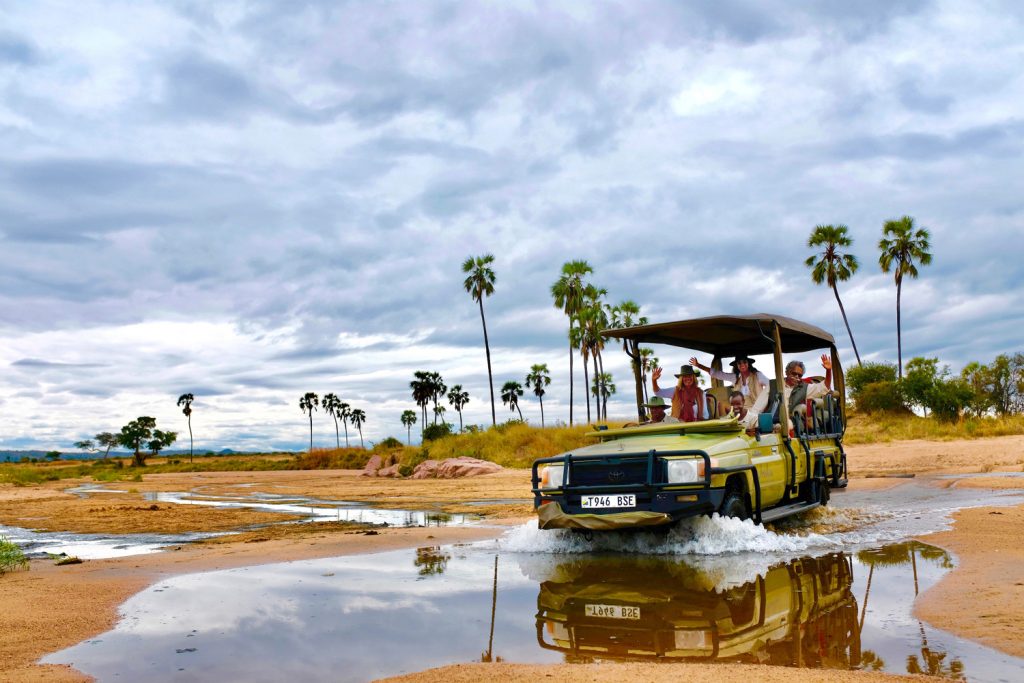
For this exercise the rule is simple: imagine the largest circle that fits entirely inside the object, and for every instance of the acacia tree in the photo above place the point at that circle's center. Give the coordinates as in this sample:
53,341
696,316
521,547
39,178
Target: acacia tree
331,403
901,245
358,418
136,433
832,266
308,403
567,292
107,441
186,401
161,440
480,283
537,379
510,393
458,400
86,445
408,419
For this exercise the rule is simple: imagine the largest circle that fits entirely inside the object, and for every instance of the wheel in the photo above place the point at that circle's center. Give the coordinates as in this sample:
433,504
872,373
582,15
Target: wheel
733,506
818,492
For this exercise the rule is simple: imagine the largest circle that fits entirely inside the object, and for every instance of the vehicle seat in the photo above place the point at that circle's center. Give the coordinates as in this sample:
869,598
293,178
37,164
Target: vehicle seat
721,398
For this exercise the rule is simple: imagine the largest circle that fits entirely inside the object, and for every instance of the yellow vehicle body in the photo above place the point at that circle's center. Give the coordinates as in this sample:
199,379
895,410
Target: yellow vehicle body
653,475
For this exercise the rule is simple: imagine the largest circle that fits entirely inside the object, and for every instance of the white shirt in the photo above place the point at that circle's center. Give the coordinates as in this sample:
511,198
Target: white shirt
740,386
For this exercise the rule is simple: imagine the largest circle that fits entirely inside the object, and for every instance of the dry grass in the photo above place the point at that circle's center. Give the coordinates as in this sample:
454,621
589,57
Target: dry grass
511,445
883,428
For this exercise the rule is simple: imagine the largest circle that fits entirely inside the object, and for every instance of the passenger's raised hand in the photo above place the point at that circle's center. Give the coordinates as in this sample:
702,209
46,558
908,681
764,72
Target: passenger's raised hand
694,363
826,362
656,374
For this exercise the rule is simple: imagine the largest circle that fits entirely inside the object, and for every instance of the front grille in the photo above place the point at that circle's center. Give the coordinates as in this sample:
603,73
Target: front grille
611,472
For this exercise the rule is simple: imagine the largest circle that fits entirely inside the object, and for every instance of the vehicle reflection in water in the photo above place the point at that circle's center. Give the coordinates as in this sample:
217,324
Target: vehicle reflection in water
800,613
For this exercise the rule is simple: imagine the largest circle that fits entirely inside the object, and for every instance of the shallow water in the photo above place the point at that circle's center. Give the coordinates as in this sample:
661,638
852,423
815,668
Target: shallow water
92,546
357,618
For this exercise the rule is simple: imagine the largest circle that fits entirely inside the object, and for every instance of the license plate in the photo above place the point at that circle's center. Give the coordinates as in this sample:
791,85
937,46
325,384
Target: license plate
612,611
616,501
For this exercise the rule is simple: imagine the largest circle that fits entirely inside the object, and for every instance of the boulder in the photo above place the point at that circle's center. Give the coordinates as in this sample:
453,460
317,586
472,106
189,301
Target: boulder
390,471
455,468
372,466
425,470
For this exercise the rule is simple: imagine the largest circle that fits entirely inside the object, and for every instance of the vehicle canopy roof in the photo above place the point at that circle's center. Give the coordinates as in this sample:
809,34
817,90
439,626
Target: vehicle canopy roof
728,335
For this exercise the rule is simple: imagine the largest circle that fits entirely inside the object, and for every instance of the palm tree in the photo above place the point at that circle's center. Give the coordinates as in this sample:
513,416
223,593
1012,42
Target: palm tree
901,245
186,400
648,361
510,393
602,388
567,291
537,379
480,283
358,417
439,413
421,392
437,387
309,402
458,400
330,404
831,265
408,419
627,314
345,412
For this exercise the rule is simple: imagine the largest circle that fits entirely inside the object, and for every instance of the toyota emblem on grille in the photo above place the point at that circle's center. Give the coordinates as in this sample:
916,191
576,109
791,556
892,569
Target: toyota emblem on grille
616,475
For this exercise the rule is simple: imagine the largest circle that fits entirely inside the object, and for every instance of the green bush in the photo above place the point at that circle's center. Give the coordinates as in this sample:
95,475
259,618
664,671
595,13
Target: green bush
880,397
387,444
11,557
857,378
438,431
947,399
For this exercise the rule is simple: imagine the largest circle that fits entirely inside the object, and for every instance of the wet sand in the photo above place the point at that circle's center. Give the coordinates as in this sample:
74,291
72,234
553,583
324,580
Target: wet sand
49,608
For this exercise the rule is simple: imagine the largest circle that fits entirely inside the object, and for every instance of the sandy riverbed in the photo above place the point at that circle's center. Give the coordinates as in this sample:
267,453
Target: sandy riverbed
49,608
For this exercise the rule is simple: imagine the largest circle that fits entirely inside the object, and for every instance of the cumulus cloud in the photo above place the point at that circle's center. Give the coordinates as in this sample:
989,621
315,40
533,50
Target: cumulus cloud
250,203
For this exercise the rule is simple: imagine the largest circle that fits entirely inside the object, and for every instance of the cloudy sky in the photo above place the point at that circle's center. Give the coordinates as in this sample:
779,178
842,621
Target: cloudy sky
251,200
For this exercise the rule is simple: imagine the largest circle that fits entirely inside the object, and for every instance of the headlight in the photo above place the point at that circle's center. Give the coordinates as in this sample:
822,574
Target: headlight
551,477
685,471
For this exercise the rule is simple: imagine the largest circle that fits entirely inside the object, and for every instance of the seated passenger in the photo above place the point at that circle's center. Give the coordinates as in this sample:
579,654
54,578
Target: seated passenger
745,378
688,401
747,418
658,407
794,390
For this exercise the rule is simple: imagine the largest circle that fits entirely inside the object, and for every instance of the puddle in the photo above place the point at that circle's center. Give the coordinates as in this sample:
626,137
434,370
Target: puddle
319,509
92,546
362,617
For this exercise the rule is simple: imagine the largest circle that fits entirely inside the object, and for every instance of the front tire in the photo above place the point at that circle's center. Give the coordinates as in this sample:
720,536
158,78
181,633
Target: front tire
734,505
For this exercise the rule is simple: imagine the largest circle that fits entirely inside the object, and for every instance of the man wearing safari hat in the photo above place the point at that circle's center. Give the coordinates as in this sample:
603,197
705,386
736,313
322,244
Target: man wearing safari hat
658,407
688,402
745,378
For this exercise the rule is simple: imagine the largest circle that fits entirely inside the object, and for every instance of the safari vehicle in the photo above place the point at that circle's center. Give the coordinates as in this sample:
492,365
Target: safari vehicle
801,613
653,475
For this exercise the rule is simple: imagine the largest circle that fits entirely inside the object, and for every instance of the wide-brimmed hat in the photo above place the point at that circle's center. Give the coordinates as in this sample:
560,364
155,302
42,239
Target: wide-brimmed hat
686,370
656,402
750,361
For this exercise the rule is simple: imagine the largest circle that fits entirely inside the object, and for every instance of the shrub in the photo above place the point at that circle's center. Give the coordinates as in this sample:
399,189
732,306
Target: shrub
387,444
438,431
880,397
948,398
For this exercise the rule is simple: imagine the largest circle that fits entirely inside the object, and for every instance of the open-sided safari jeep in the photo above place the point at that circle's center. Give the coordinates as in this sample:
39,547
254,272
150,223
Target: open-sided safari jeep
653,475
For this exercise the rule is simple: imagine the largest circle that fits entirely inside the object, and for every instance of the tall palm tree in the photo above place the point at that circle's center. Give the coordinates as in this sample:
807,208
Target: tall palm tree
186,401
308,403
627,314
458,400
578,339
421,392
594,318
567,291
439,411
480,283
437,387
900,246
408,419
602,388
510,393
537,379
648,361
358,418
831,265
330,403
345,412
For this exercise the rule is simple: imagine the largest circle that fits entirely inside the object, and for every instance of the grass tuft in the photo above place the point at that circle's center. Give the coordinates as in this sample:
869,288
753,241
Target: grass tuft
11,557
883,428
